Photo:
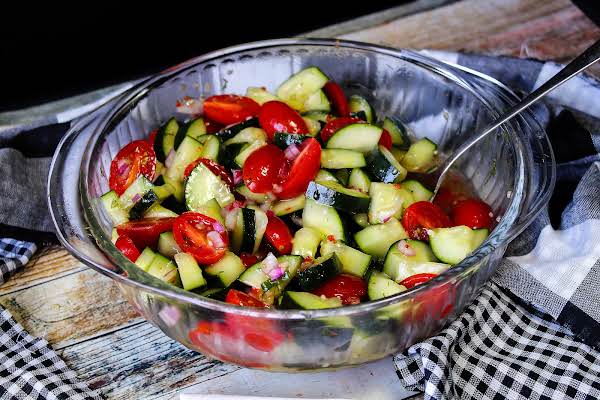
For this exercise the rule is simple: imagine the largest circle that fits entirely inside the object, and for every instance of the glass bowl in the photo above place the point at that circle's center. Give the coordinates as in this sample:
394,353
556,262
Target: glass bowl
513,171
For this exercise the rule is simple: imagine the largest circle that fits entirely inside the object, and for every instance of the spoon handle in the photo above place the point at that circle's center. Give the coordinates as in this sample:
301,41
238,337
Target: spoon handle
580,63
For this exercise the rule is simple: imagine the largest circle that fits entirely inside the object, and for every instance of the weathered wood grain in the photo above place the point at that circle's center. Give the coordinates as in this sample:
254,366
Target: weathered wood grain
69,309
140,362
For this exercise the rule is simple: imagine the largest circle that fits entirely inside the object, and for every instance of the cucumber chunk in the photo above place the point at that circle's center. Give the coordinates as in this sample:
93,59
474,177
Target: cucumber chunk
340,158
377,239
324,219
387,201
419,192
399,266
323,269
421,156
381,286
202,185
110,201
300,86
452,245
306,242
337,196
353,262
384,167
357,137
358,104
307,301
167,246
189,272
225,271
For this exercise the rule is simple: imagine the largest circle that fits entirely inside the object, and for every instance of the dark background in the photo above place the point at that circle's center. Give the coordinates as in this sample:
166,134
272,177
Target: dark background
48,54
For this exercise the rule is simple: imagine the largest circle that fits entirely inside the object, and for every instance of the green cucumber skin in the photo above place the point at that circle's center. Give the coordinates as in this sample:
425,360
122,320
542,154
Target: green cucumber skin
330,197
380,168
315,275
230,131
283,140
139,208
249,234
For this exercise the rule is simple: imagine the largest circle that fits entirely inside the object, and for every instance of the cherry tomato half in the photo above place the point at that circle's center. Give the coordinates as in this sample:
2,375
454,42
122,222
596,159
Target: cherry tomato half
215,168
417,279
264,168
230,109
242,299
193,232
248,259
473,213
338,99
276,116
303,170
348,288
446,199
144,233
386,139
212,126
127,247
423,215
136,158
336,124
279,235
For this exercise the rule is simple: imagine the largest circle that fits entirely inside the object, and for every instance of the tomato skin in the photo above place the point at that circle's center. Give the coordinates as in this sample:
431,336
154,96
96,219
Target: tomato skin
447,199
417,279
336,95
248,259
423,215
190,231
152,137
136,158
227,109
215,168
348,288
144,233
279,235
276,116
303,170
336,124
264,168
212,126
473,213
386,139
127,247
242,299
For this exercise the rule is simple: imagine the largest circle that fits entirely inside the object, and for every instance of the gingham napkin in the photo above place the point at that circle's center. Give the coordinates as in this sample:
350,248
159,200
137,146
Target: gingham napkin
534,330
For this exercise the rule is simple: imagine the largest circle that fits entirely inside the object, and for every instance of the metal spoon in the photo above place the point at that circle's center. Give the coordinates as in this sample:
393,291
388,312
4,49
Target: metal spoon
583,61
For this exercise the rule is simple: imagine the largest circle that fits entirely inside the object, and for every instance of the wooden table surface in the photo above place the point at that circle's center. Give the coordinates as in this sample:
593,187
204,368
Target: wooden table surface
86,319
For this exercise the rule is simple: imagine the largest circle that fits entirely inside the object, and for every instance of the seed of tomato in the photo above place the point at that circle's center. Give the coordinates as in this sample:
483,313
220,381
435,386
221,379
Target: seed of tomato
338,99
278,234
472,213
215,168
127,247
276,116
201,236
136,158
336,124
421,216
303,170
228,109
264,168
348,288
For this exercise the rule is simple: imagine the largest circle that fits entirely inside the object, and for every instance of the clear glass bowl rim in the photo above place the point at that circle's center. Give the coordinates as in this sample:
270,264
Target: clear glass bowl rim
499,236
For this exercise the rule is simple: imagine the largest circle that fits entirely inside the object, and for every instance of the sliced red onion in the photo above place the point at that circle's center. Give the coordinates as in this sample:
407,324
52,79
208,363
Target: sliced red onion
170,315
170,158
269,263
386,219
217,226
291,152
216,239
189,106
237,176
406,249
276,273
136,198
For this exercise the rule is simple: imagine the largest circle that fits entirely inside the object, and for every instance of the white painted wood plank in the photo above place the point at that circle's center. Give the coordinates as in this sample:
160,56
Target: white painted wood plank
372,381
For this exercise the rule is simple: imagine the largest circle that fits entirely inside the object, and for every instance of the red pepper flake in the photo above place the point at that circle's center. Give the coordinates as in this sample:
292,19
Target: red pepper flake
331,238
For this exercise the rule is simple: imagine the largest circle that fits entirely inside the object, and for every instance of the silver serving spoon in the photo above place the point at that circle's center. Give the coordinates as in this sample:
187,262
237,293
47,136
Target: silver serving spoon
583,61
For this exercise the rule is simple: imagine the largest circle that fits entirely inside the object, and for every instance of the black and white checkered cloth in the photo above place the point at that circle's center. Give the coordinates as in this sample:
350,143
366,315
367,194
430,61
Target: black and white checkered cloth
531,334
534,331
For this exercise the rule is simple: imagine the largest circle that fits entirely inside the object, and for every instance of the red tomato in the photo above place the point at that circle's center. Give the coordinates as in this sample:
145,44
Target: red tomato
417,279
127,247
279,235
447,199
136,158
435,303
472,213
336,124
144,233
152,137
264,168
212,126
248,259
303,170
230,109
423,215
276,116
215,168
242,299
386,139
192,232
348,288
335,94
